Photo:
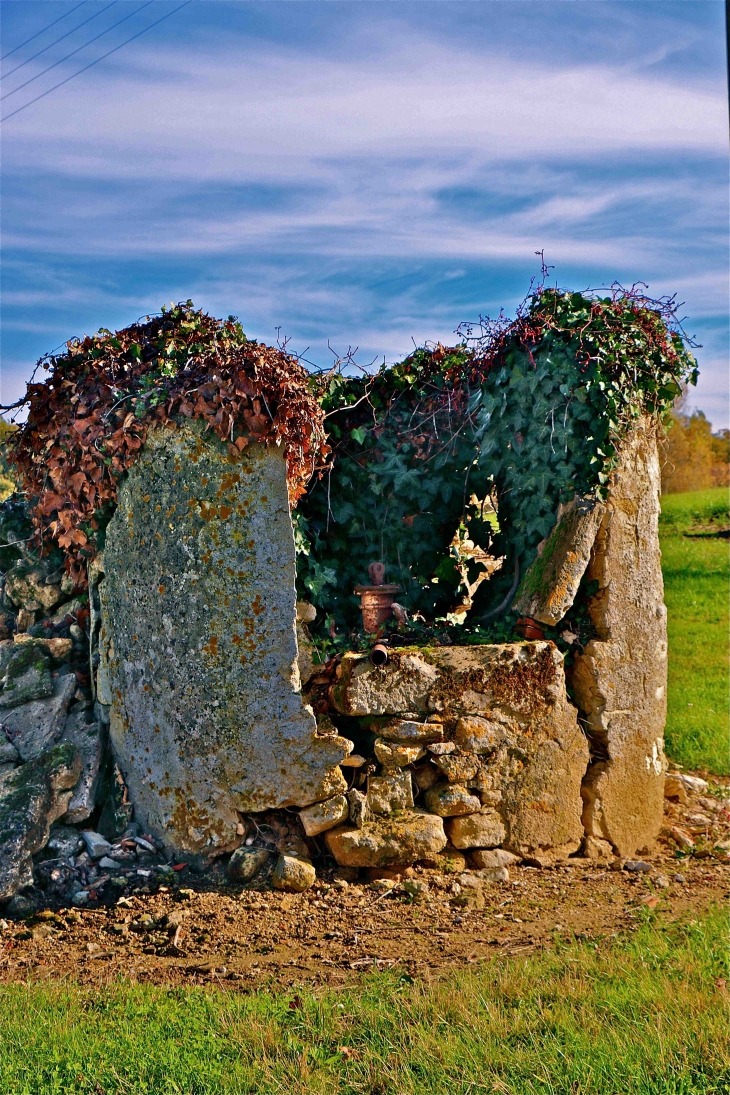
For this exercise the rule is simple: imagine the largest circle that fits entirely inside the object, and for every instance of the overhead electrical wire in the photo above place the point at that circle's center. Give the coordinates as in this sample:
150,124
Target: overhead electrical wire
43,30
72,31
77,50
66,35
96,62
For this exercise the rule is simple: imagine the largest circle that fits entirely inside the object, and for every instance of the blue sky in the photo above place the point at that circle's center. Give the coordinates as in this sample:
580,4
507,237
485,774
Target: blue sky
363,173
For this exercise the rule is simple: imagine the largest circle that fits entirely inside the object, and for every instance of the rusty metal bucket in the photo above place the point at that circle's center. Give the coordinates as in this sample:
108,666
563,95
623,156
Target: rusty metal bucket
376,600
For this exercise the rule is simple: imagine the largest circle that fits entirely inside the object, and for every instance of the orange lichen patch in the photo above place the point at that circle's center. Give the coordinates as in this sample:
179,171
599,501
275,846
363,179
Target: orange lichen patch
160,589
228,482
225,512
208,512
236,640
145,497
211,647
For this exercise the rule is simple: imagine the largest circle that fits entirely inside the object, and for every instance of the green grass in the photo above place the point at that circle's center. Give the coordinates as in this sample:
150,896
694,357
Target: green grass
644,1016
696,582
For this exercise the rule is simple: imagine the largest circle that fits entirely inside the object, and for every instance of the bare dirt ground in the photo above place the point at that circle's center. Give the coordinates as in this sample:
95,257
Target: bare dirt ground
197,932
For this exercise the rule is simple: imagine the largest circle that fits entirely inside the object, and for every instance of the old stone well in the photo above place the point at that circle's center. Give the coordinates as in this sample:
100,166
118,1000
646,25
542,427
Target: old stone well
186,704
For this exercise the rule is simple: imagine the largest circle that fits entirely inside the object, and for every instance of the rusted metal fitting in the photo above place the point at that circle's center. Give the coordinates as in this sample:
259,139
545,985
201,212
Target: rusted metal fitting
529,628
376,600
379,654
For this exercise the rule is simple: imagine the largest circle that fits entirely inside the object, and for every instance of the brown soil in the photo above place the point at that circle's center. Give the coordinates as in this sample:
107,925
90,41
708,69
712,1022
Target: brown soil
335,931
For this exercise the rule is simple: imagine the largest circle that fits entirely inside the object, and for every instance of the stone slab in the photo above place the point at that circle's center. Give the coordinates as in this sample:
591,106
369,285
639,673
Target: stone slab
35,727
88,738
620,679
549,587
198,645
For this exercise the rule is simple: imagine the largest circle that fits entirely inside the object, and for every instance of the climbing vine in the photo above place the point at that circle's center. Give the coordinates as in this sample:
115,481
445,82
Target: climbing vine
87,421
519,416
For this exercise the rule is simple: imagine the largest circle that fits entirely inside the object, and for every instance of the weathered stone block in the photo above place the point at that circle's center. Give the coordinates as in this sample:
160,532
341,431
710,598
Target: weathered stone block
620,679
324,815
26,676
450,800
292,874
198,643
33,586
31,798
483,830
402,839
549,587
389,792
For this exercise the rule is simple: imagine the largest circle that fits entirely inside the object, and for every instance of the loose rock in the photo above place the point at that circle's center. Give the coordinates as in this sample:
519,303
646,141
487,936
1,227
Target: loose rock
96,845
324,815
247,862
492,858
292,874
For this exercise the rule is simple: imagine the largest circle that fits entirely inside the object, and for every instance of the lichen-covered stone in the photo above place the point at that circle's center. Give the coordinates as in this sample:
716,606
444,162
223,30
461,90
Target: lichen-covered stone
292,874
36,726
198,643
33,586
324,815
26,676
493,858
32,797
247,862
401,687
457,767
549,587
449,800
399,839
359,811
391,791
482,830
620,679
410,732
392,754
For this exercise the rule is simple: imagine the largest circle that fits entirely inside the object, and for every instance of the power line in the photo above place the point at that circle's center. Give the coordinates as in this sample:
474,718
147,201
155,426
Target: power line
66,35
43,31
96,62
77,50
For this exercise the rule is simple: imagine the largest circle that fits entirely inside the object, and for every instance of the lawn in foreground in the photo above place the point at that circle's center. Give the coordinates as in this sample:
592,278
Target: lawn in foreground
647,1015
696,576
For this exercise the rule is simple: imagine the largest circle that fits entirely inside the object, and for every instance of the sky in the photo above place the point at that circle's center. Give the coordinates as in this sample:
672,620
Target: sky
360,174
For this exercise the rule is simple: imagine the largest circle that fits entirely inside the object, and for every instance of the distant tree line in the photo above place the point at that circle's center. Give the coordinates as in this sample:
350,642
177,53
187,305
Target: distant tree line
693,457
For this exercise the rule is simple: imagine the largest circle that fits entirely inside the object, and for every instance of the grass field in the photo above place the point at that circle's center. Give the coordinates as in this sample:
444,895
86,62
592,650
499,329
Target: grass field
696,578
644,1015
648,1016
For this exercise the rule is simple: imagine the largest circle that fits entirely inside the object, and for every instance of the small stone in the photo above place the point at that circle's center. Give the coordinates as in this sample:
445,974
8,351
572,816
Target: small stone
409,732
353,761
682,837
449,861
458,768
675,789
324,815
699,819
637,866
81,898
678,878
395,755
441,748
63,842
107,863
482,830
593,848
492,858
389,792
359,810
292,874
383,885
96,845
145,845
416,888
246,862
494,874
661,881
469,892
451,800
693,783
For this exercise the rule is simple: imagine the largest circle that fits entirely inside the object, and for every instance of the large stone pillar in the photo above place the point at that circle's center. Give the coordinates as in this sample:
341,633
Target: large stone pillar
620,680
198,644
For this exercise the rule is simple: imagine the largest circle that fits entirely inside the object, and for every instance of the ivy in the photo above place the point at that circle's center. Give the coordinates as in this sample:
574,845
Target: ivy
518,417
